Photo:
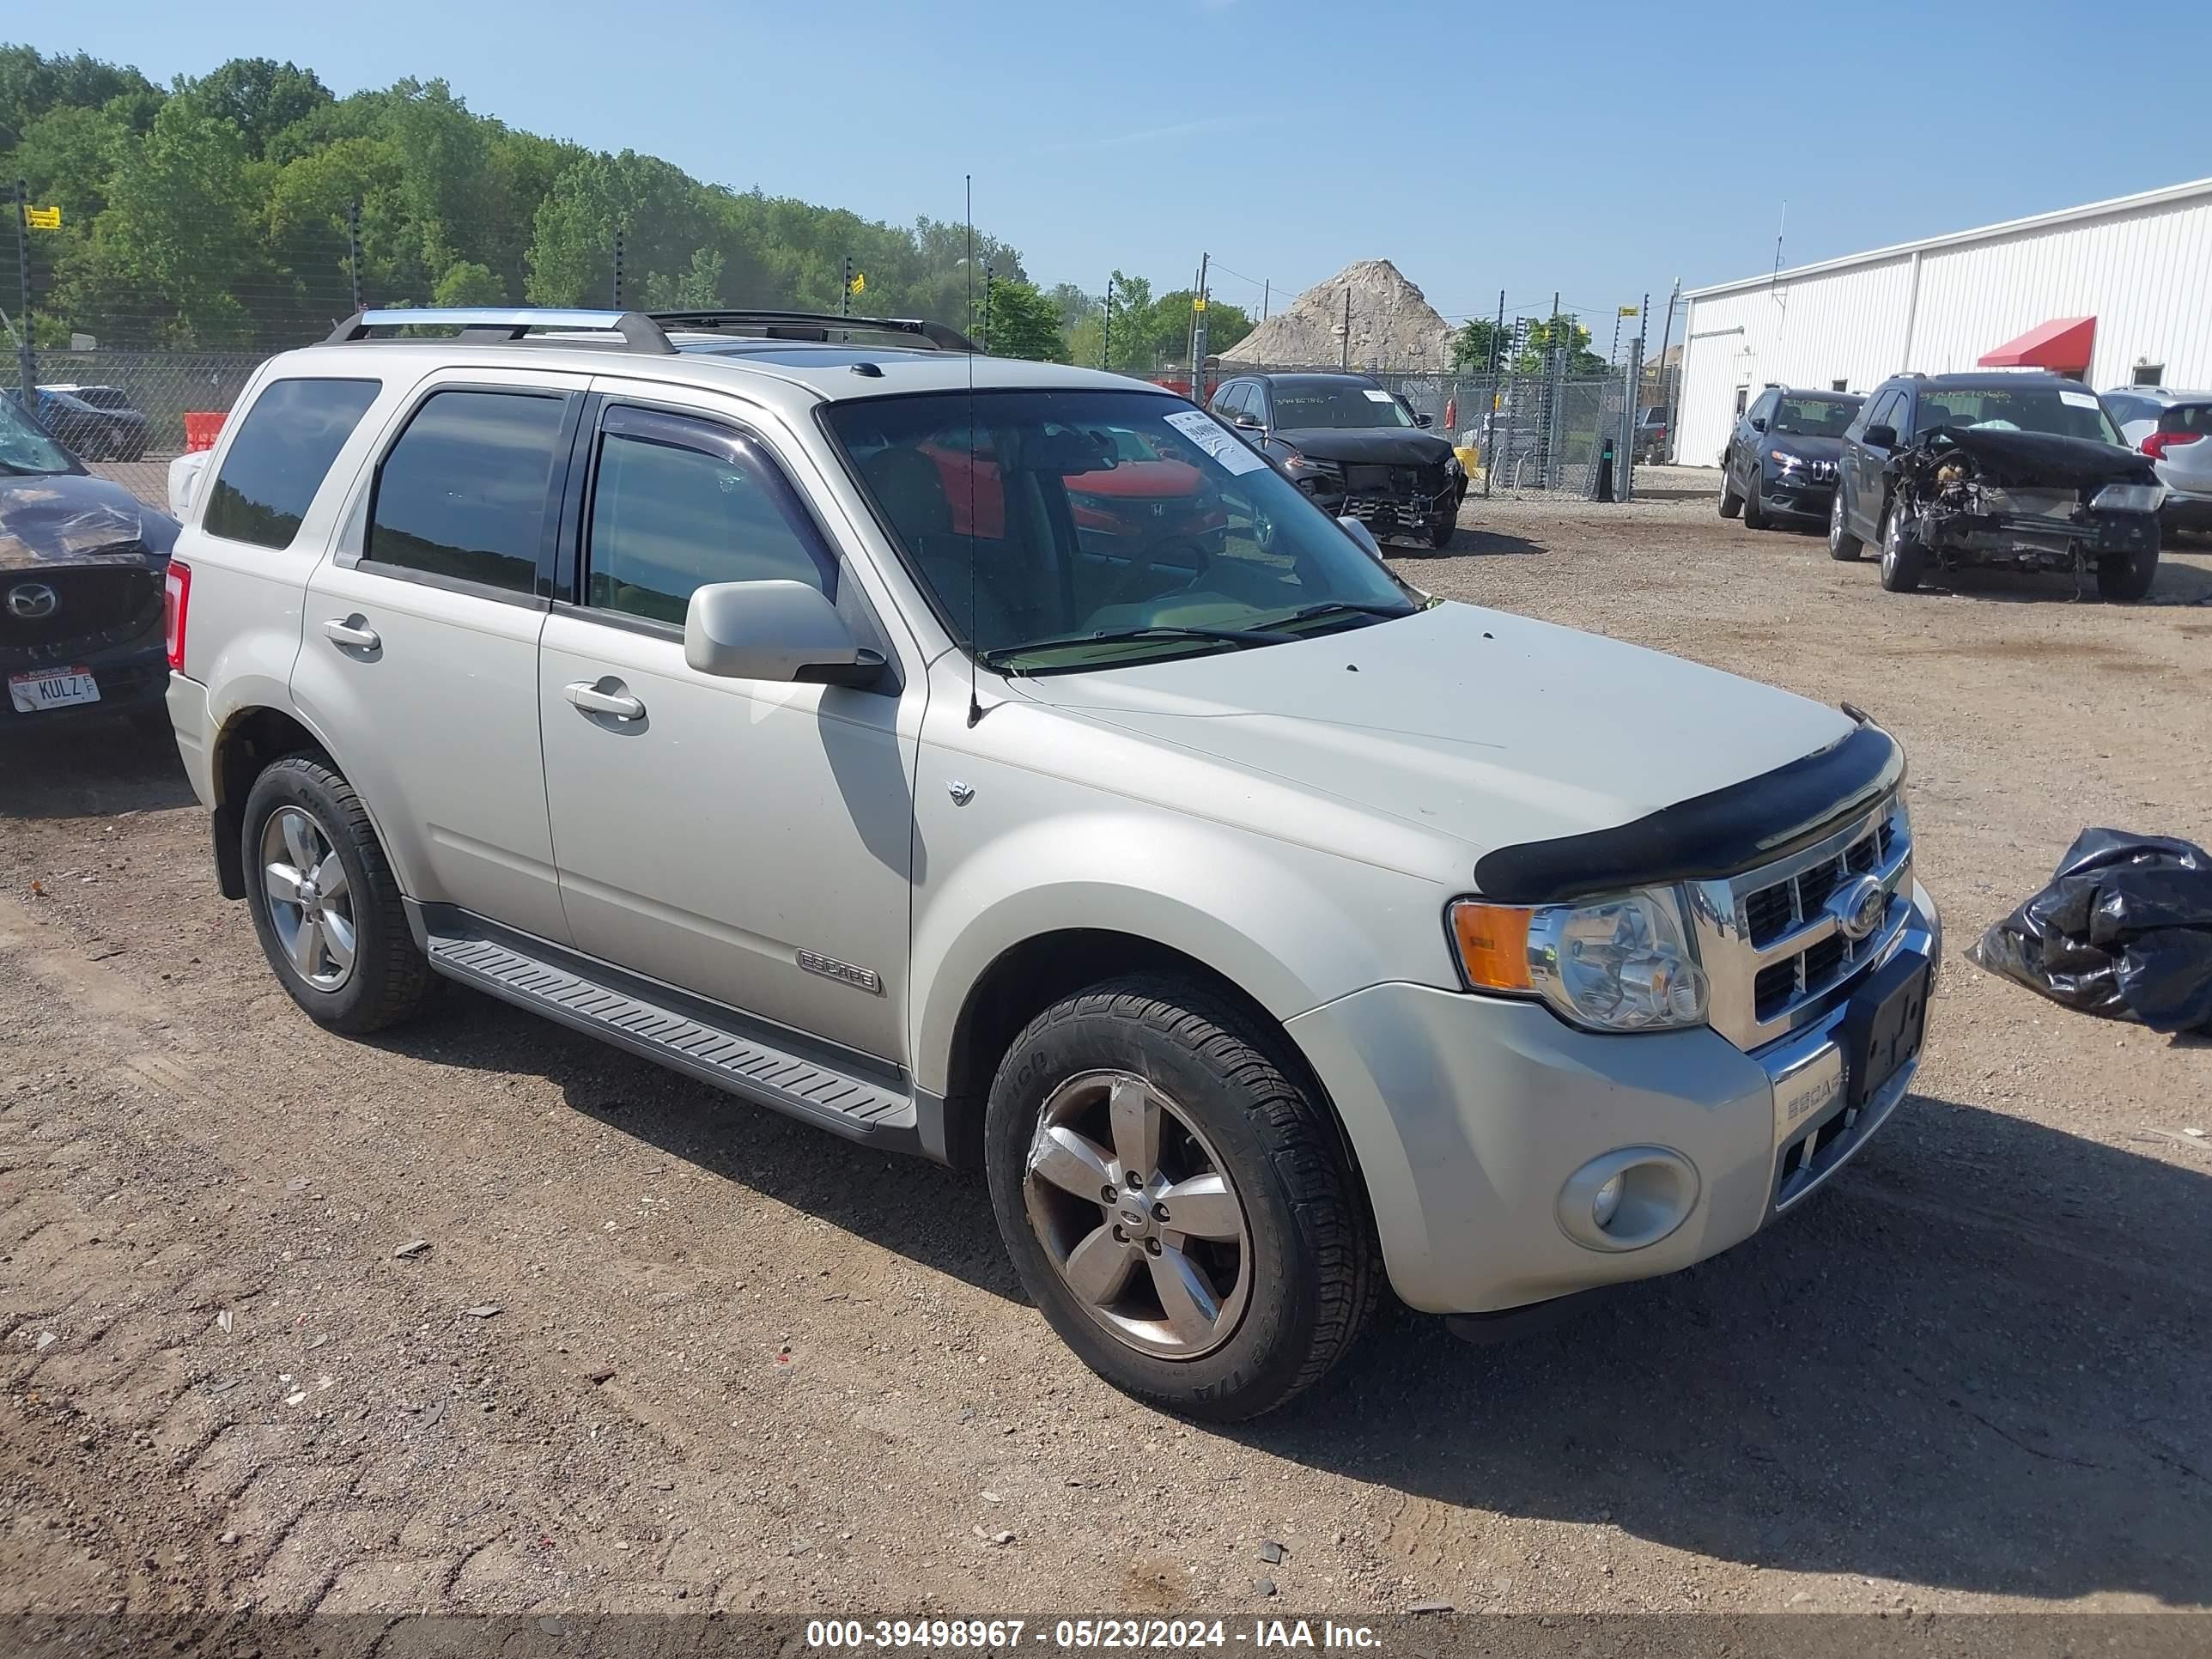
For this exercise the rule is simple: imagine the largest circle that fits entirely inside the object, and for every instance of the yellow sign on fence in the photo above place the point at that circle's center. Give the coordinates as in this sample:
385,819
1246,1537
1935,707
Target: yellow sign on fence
859,282
43,218
1628,311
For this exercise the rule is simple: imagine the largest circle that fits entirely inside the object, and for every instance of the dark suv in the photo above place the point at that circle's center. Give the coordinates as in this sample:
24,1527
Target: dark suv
2024,471
1359,452
1780,462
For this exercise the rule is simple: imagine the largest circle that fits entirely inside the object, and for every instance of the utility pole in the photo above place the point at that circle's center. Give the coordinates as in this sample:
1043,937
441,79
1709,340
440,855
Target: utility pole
24,359
1106,330
352,249
1198,336
1344,357
1267,290
1497,336
1666,329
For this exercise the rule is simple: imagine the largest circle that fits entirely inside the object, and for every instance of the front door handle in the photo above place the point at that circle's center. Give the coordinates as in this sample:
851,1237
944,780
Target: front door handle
588,697
353,631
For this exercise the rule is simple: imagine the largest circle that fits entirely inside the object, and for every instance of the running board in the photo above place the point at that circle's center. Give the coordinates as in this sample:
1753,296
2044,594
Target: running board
648,1022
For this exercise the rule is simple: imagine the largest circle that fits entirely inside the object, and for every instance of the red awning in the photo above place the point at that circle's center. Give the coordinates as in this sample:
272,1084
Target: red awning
2062,345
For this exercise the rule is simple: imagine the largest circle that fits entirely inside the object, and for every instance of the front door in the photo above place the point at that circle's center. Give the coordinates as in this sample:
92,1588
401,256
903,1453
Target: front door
748,841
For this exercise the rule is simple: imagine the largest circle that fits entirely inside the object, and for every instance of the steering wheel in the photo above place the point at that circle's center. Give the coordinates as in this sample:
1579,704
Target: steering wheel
1140,569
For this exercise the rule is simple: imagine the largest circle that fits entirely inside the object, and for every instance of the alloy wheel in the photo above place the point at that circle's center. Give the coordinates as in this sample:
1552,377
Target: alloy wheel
1138,1215
310,900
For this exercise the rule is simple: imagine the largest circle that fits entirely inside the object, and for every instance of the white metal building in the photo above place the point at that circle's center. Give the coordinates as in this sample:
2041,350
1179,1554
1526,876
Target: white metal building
2140,265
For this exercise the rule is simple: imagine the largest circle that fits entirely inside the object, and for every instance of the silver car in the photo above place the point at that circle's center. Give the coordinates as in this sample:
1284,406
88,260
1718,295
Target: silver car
2174,429
1004,763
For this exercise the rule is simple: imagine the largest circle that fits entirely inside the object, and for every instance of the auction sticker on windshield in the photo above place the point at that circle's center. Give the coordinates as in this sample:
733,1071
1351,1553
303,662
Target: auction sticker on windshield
1373,395
2078,399
1216,440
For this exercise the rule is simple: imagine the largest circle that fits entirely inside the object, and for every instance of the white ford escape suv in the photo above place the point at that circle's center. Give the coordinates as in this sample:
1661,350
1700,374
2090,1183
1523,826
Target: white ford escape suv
1004,763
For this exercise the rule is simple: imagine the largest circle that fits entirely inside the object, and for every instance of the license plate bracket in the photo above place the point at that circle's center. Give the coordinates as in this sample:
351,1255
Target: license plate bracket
1883,1025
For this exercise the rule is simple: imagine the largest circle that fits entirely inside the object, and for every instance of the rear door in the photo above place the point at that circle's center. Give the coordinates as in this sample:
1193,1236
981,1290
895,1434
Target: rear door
1863,462
419,659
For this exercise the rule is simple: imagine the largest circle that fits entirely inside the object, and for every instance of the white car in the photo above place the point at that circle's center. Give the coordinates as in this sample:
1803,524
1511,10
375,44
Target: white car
821,717
2174,429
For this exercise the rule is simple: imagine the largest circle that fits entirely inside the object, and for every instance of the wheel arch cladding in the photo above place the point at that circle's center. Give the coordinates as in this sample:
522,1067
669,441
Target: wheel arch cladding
249,741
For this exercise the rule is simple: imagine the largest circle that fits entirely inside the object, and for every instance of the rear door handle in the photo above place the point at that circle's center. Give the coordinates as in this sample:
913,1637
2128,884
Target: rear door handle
354,631
588,697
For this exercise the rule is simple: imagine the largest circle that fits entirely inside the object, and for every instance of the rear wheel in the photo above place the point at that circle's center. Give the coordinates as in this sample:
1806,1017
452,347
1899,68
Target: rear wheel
1843,546
325,902
1175,1203
1731,504
1903,560
2126,578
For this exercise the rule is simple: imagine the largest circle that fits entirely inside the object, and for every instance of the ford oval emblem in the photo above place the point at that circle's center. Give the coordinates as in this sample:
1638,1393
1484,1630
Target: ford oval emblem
1858,908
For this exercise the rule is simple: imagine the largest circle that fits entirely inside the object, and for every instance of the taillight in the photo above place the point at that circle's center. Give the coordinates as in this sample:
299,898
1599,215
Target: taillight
2158,443
176,594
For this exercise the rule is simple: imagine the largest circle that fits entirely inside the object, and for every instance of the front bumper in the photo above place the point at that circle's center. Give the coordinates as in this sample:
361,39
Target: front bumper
1412,501
1478,1122
1801,493
2186,510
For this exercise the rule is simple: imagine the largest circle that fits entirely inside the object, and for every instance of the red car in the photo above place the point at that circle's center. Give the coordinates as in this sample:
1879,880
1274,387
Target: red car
1147,498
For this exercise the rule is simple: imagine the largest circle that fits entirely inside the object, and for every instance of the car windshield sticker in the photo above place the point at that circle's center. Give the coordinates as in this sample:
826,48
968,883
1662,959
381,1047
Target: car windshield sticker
1375,396
1216,440
2078,399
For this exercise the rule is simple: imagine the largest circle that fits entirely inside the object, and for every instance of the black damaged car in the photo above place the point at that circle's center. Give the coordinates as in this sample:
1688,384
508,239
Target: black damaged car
1356,449
82,562
2020,471
1780,463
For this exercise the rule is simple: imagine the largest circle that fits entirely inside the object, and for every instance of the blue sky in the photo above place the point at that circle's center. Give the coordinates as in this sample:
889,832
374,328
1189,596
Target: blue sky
1597,149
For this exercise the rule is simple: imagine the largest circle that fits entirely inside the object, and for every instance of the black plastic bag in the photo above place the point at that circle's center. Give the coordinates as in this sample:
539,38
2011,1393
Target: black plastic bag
2124,930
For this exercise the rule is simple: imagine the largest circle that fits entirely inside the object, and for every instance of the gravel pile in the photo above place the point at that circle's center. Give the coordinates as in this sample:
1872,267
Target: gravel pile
1393,326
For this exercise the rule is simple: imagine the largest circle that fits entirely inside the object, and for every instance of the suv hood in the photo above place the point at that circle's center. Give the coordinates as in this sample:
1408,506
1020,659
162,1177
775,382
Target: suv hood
73,518
1367,446
1811,446
1479,725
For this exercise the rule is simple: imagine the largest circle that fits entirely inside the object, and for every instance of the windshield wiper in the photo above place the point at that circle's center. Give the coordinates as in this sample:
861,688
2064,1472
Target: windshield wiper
1001,654
1344,608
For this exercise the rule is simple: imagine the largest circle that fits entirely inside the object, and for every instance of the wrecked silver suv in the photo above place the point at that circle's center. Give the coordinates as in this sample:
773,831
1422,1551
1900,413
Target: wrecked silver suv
2024,472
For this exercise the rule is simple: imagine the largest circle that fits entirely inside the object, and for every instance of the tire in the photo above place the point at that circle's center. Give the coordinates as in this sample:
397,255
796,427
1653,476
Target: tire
1293,1289
1754,504
387,978
1903,560
1843,546
1441,533
2126,578
1731,504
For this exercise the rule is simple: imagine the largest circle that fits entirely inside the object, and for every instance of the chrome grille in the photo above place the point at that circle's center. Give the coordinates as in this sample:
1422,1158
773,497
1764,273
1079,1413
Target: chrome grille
1776,956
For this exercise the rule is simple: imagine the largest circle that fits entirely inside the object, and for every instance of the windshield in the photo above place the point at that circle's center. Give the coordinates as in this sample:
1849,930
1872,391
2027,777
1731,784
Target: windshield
2062,411
23,447
1040,520
1336,403
1815,417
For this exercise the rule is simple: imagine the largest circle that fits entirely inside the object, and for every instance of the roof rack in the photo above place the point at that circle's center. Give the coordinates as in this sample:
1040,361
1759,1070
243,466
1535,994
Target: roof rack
634,330
817,325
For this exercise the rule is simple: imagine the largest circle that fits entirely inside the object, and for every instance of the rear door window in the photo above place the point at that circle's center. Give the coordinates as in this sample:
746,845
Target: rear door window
462,495
2187,417
277,461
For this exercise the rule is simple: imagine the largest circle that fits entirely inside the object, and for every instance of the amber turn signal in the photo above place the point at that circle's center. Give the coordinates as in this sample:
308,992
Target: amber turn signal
1493,943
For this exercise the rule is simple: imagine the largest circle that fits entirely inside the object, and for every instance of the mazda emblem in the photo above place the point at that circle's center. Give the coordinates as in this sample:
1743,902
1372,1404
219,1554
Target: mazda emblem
32,601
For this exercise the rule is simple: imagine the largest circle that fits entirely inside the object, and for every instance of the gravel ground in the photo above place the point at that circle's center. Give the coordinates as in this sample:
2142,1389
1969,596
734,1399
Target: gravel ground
659,1350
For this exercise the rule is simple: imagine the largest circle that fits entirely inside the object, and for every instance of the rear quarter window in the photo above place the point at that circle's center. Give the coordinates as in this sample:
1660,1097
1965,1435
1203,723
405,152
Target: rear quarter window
2187,417
280,456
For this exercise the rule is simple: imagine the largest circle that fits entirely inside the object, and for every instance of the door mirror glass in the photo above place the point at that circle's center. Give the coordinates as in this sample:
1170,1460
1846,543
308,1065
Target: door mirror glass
1880,436
775,629
1759,423
1246,419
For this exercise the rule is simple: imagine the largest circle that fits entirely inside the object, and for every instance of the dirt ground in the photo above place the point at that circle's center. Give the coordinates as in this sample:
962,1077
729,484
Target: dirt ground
662,1351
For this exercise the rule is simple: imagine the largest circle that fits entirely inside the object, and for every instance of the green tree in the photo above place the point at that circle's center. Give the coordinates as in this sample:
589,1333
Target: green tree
699,288
183,224
1562,330
1478,345
467,284
1021,322
258,96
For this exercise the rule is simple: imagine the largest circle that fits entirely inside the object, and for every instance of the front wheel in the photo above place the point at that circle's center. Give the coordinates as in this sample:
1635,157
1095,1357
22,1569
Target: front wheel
1175,1201
1731,504
1754,502
2126,578
1843,546
1903,560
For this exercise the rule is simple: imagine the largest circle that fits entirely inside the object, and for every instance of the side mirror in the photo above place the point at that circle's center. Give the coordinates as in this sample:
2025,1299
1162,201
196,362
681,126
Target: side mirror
1759,423
1425,422
773,630
1246,422
1360,533
1879,437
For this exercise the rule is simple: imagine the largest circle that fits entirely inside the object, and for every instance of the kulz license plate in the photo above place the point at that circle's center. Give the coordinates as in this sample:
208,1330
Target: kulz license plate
1885,1022
52,688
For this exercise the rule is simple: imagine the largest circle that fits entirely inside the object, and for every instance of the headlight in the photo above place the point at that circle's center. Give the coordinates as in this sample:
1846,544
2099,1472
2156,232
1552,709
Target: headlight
1452,468
2131,498
1620,963
1297,463
1785,460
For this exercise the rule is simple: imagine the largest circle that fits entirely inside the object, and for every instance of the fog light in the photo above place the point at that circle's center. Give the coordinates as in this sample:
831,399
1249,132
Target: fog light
1606,1203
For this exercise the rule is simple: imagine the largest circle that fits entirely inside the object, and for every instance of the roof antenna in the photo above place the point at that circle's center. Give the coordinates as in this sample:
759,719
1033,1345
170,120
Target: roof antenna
967,268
